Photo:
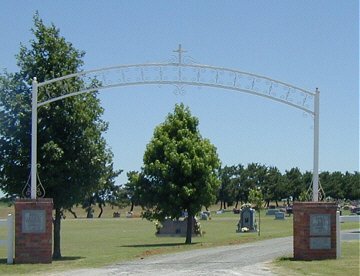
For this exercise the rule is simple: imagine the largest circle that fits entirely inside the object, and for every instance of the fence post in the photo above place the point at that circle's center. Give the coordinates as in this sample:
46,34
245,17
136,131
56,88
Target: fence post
10,239
338,236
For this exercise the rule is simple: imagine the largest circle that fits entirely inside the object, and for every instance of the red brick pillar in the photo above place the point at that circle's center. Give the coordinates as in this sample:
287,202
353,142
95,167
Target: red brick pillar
33,230
314,230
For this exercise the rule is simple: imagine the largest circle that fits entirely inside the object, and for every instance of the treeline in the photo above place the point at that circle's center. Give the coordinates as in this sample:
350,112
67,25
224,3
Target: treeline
238,180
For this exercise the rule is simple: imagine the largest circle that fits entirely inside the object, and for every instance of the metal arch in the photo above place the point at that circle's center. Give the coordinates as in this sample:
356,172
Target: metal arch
178,74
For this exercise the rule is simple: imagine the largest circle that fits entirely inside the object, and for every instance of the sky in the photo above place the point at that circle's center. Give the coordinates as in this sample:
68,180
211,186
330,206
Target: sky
309,44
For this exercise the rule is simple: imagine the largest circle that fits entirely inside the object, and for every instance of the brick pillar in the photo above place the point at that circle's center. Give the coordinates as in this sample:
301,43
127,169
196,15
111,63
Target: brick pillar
314,230
33,230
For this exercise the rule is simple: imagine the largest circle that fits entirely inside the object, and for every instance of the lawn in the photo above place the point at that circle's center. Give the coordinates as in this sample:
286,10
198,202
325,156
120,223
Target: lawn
348,264
99,242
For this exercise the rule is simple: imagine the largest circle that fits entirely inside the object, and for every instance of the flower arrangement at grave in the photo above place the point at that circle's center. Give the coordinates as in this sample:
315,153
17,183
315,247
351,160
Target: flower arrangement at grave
245,205
197,228
158,226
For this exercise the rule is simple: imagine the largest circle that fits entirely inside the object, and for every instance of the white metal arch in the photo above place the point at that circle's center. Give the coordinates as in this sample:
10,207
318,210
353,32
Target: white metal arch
179,74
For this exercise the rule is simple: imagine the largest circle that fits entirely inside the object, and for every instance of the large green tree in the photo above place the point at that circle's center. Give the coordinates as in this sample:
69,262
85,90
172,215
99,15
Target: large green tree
180,170
73,158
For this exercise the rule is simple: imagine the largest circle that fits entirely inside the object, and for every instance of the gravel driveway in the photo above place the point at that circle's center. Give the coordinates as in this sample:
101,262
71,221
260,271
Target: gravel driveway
245,259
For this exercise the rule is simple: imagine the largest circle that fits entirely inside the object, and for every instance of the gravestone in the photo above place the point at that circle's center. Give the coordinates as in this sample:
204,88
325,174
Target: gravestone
247,220
176,228
279,215
204,215
271,212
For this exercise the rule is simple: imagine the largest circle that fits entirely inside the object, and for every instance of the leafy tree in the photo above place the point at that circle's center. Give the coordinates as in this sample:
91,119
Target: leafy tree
225,194
333,184
273,186
255,175
295,183
256,199
238,182
108,193
130,188
73,158
180,170
351,186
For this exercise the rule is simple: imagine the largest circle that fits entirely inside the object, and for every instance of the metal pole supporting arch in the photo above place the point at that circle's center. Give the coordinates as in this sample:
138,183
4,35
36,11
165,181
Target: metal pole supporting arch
178,74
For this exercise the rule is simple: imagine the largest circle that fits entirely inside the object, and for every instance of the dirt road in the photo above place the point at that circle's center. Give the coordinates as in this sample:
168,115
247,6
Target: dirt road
246,259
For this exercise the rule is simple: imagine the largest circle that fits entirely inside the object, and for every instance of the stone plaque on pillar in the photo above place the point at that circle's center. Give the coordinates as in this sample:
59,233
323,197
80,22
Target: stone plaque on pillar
33,230
33,221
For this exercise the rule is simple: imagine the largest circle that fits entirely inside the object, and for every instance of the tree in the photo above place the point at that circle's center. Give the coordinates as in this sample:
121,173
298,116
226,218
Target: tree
351,185
254,175
107,193
238,184
225,193
295,183
130,188
273,186
180,170
256,198
73,158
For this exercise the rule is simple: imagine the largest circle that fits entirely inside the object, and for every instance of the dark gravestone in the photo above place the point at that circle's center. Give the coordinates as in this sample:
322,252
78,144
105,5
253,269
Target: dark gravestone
247,220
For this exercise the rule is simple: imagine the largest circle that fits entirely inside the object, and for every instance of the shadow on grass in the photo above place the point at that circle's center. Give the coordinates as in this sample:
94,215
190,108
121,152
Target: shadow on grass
3,261
63,259
68,258
291,259
157,245
285,259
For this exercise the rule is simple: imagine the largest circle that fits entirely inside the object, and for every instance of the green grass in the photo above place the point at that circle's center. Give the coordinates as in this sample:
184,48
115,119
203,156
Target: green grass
348,264
87,243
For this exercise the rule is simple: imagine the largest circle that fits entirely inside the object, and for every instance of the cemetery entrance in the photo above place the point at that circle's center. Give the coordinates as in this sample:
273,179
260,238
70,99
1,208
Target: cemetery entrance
179,74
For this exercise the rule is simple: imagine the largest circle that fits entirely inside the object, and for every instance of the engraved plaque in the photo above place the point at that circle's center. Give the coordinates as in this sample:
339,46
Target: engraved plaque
33,221
320,225
320,243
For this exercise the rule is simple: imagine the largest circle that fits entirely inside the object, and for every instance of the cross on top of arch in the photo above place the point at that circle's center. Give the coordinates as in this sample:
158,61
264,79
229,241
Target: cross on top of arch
180,51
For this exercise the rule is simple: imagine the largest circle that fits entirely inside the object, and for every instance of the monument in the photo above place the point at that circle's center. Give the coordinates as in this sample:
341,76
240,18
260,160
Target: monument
315,230
247,222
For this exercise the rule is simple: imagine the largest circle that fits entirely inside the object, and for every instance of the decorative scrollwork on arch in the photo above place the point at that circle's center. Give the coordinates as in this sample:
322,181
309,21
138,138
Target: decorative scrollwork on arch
180,75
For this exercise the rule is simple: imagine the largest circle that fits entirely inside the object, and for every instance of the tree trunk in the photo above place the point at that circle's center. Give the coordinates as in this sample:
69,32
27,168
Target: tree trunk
57,221
132,206
101,210
189,228
72,212
237,203
89,212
